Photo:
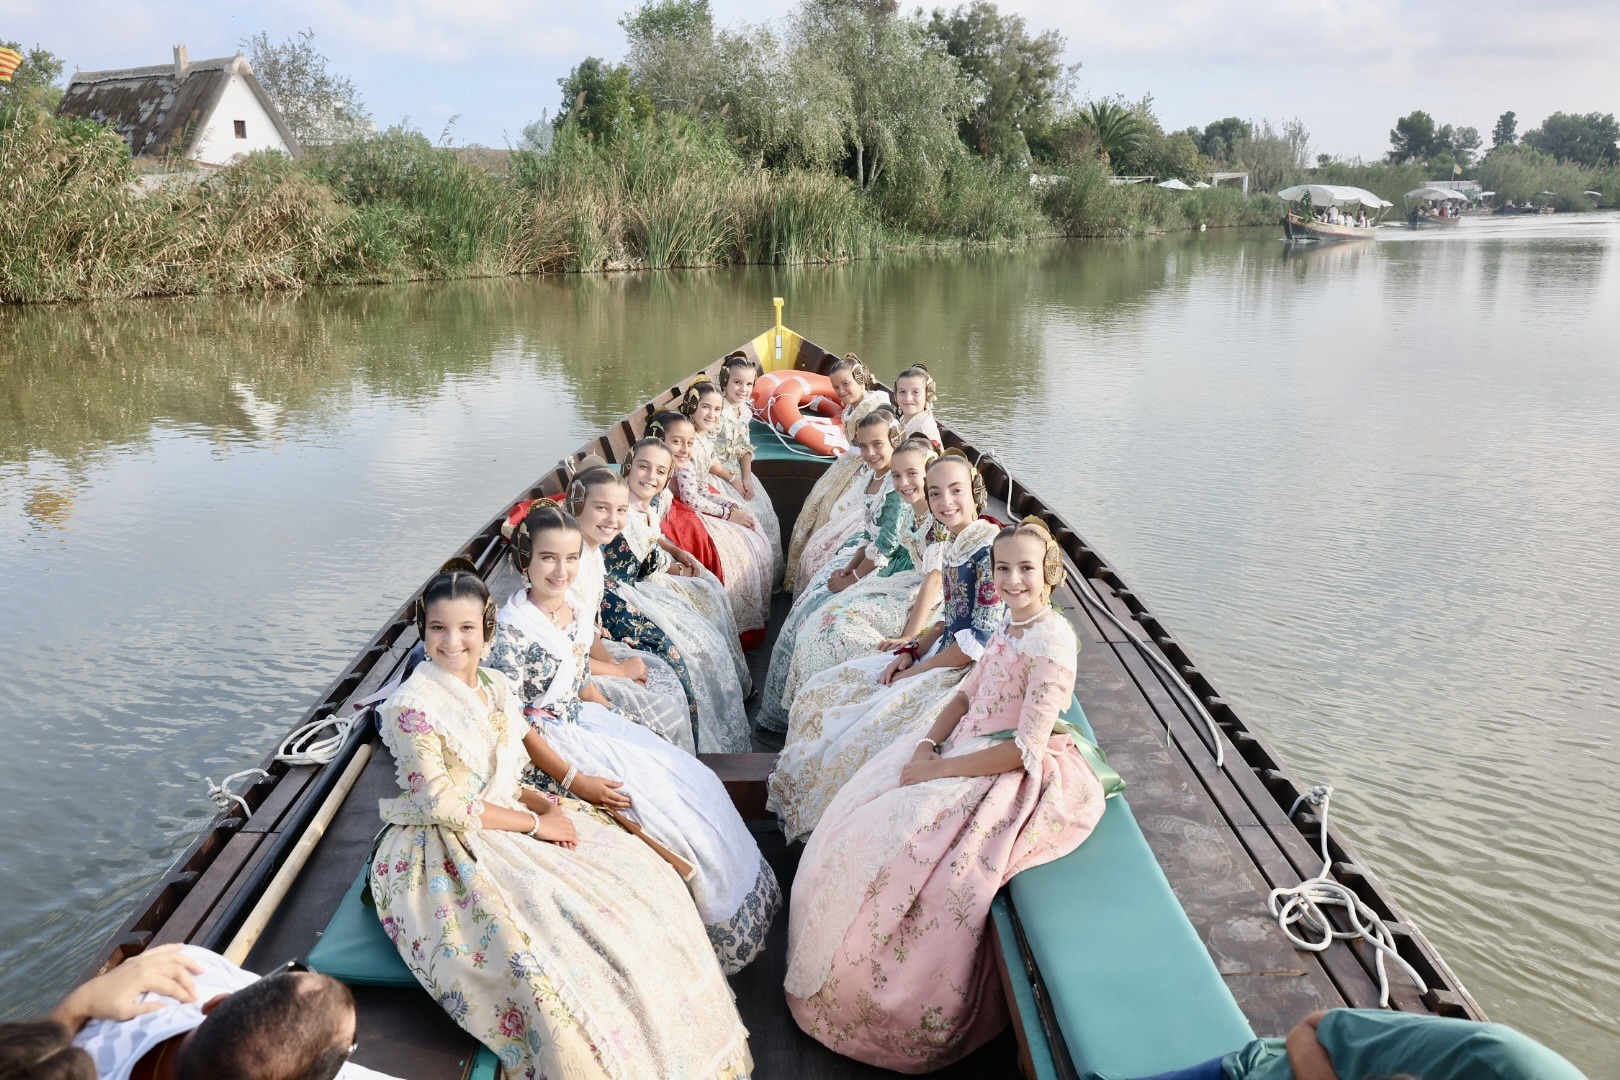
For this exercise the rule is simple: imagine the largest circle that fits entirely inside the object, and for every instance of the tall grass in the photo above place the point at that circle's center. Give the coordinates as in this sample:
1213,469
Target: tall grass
1083,202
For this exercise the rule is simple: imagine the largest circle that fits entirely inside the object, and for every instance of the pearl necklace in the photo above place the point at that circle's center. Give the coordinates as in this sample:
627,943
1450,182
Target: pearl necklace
1019,624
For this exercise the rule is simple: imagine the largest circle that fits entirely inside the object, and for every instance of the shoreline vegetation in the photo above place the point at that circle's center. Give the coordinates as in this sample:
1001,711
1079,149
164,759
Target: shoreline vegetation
848,131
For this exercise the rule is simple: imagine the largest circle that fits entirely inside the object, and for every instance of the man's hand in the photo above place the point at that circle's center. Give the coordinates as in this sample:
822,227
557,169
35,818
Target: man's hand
165,970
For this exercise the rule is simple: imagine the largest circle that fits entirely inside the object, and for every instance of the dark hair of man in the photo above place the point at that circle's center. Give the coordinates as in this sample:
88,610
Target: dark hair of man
42,1050
282,1028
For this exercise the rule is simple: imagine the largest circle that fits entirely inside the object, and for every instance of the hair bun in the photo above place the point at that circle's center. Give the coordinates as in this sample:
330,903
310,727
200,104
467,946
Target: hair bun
459,564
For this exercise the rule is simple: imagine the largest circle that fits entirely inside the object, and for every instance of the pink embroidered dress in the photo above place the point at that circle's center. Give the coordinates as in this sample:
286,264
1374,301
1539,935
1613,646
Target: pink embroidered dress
887,957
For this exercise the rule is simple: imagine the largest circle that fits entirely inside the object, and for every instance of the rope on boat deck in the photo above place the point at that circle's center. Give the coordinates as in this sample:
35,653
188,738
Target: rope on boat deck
304,745
1302,907
1089,595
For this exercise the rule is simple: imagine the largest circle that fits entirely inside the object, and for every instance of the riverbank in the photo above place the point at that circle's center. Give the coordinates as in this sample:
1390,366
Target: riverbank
77,222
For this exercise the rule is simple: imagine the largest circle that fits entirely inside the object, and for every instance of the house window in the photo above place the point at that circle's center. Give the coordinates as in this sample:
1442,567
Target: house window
241,129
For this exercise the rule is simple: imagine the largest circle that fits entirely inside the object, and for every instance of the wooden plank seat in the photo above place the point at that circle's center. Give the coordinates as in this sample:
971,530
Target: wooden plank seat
1098,945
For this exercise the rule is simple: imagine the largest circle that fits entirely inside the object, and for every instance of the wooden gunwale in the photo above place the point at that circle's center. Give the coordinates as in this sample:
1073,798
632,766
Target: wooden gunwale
205,893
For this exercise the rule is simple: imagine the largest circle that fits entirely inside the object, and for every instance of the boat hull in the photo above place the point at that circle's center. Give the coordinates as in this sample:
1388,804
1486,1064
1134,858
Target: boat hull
1296,228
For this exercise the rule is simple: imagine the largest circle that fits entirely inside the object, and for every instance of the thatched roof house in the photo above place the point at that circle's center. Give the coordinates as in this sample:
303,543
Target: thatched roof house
211,111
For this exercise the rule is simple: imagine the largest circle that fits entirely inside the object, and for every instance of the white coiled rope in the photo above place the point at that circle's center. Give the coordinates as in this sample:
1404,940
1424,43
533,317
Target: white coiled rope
304,745
1089,595
1300,913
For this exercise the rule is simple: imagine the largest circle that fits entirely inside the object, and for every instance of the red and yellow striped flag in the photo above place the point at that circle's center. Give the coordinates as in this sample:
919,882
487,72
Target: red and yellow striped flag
9,61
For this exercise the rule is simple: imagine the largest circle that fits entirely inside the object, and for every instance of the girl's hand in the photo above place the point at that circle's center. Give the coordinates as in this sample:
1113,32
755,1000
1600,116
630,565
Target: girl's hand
741,516
688,562
634,669
841,579
745,486
921,771
897,669
889,644
556,829
600,791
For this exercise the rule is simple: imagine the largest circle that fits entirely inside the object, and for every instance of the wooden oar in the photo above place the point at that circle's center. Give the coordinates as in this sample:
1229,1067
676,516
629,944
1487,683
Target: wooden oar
253,926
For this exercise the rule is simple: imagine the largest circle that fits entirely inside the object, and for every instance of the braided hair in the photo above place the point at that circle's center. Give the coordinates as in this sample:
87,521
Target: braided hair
981,494
1051,562
457,579
735,362
919,444
579,488
920,371
701,387
851,363
887,417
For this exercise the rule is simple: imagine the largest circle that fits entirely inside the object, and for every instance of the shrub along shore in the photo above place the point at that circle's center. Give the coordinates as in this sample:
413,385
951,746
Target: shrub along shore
78,223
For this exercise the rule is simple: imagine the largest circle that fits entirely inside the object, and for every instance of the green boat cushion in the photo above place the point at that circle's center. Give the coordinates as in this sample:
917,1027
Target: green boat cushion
769,446
1131,986
353,949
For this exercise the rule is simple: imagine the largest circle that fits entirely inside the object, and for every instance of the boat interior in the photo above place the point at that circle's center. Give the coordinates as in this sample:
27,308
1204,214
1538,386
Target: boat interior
1152,940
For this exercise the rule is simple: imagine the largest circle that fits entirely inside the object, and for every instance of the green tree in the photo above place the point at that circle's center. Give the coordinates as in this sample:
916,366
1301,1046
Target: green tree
671,52
1223,140
1019,80
1157,152
1506,130
1465,143
602,99
34,81
902,95
1588,139
319,107
1116,130
1414,138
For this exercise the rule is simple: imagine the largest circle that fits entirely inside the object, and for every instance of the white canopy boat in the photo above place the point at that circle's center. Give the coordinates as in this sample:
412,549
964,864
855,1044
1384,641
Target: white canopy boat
1301,222
1423,207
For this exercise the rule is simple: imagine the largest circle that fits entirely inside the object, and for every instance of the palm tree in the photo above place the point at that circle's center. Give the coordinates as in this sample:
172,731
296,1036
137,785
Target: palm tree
1115,129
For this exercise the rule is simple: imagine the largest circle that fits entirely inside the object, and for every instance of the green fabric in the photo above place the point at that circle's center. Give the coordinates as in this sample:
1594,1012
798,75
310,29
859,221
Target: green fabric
1375,1043
486,1066
768,446
353,949
1132,988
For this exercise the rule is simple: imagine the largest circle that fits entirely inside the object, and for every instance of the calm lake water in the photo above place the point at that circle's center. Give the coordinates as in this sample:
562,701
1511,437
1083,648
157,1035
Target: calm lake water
1375,489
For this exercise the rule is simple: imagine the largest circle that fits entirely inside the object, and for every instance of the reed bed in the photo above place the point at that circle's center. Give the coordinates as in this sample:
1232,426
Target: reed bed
77,222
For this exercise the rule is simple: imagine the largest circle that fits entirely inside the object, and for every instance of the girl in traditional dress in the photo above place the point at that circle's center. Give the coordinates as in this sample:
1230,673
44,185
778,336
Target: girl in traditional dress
677,611
559,941
852,382
638,684
745,553
888,960
844,715
876,437
589,751
914,395
867,601
734,450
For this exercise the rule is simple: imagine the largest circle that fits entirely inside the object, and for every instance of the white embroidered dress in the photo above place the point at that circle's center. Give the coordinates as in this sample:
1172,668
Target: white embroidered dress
732,443
829,488
660,706
675,797
586,963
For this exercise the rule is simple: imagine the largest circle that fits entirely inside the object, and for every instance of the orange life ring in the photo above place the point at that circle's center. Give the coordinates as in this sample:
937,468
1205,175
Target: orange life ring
782,398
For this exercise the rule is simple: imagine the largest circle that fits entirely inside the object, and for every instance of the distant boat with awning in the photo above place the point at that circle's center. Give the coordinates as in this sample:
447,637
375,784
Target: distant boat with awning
1331,212
1434,207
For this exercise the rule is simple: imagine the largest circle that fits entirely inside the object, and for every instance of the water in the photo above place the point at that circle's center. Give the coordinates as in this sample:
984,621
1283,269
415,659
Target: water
1372,488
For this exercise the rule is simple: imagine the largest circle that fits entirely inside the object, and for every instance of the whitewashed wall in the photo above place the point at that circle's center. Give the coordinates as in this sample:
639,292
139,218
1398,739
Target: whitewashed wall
219,144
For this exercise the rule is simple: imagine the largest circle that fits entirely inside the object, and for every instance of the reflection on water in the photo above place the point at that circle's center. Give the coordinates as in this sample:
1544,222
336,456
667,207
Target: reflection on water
1371,486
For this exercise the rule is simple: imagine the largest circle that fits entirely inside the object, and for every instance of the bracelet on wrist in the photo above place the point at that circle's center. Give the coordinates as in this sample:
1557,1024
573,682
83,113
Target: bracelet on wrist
534,830
932,745
568,778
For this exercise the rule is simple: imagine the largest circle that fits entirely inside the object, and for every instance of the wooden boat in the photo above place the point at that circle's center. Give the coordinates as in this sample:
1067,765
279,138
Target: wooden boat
1300,225
1101,957
1297,227
1423,207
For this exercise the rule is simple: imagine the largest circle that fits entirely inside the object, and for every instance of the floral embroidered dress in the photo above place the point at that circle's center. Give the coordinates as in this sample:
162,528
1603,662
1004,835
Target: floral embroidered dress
745,553
846,519
887,957
583,963
843,716
684,620
661,706
924,424
732,443
885,518
674,796
830,487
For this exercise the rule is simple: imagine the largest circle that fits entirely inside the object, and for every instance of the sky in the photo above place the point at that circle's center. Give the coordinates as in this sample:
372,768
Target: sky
1348,70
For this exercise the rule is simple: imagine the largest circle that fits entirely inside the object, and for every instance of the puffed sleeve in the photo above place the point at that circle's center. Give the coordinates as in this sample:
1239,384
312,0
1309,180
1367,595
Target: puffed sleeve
693,490
887,541
430,795
988,610
1047,692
